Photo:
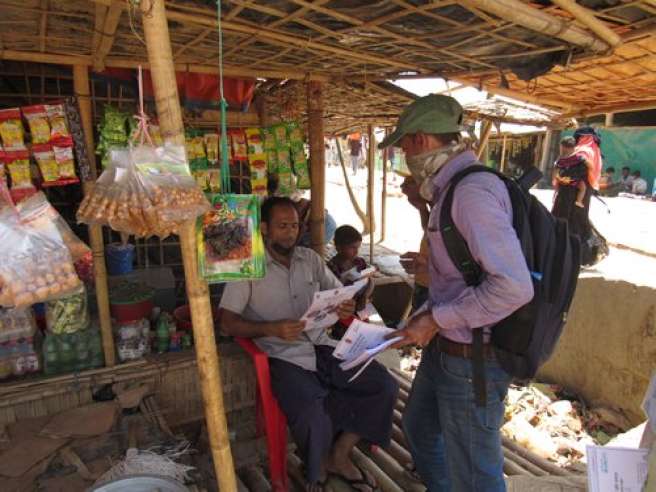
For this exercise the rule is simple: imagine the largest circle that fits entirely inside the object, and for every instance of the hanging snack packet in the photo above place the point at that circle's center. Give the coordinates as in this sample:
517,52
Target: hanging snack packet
280,136
229,242
45,158
18,164
11,129
66,164
37,119
258,174
214,177
239,147
212,147
270,150
285,175
255,141
35,265
57,119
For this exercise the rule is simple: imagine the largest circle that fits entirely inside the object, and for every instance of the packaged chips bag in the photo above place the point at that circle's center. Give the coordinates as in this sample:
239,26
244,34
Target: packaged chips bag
229,241
65,163
18,165
45,159
212,147
11,129
299,160
238,144
57,119
37,119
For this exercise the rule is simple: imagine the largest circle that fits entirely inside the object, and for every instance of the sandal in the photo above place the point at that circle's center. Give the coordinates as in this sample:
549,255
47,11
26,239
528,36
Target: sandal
366,479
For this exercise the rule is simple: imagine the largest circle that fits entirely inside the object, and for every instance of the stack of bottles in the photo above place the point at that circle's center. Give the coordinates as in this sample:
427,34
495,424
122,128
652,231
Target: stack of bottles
18,340
72,343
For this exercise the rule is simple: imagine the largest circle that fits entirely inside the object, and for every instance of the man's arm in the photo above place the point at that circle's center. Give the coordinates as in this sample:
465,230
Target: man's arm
482,218
236,297
235,325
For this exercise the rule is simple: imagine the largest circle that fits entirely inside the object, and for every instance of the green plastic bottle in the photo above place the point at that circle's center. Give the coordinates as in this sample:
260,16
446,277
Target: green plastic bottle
162,334
50,355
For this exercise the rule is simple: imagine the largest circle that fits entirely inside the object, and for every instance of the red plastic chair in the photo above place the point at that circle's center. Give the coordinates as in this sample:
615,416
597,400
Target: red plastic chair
270,418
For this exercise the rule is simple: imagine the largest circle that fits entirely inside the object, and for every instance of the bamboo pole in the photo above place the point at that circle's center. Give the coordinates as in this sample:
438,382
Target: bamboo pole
317,165
354,201
371,168
546,147
609,119
503,153
486,130
81,87
383,196
587,18
158,45
536,20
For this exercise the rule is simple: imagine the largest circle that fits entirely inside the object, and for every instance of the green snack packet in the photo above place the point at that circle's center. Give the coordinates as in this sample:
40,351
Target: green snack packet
229,242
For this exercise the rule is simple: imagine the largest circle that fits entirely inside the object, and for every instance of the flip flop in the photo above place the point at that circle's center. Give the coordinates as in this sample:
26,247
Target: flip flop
363,480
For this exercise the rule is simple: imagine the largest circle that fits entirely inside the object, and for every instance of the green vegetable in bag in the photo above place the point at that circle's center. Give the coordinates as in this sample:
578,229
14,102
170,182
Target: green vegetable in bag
68,314
229,241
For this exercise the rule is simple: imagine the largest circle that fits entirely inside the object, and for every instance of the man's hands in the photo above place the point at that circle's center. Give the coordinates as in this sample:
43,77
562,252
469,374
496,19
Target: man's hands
346,309
288,330
420,331
413,262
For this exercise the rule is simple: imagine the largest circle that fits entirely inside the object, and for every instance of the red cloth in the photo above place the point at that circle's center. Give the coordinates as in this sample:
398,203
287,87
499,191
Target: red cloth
589,150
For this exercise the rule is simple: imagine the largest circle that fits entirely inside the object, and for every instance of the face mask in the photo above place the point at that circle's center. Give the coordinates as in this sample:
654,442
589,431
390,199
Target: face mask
424,166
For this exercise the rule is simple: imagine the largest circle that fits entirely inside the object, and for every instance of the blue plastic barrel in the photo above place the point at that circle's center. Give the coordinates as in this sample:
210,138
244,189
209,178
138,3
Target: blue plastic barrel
119,258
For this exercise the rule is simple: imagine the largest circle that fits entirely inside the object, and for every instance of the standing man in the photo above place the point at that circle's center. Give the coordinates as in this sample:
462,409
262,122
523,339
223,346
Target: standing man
327,414
355,149
455,443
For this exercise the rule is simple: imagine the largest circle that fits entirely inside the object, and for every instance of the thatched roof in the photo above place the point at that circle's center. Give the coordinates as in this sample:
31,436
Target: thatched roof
576,64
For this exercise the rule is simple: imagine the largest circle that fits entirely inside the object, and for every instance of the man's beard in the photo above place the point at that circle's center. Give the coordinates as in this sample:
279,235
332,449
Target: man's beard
282,250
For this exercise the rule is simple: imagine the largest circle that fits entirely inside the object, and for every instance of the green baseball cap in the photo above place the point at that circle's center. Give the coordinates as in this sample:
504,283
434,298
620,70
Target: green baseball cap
434,113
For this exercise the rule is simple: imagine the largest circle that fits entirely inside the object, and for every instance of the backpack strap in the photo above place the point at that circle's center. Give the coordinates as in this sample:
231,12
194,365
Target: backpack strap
460,255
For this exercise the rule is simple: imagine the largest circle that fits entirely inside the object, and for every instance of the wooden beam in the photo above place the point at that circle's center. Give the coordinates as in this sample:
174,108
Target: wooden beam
486,130
107,35
99,22
503,153
81,87
536,20
192,43
158,45
587,18
617,108
43,30
317,165
228,70
371,180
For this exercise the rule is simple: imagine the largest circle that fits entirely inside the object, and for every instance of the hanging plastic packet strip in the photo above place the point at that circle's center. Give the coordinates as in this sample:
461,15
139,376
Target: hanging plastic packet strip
35,264
299,160
45,158
11,129
18,165
37,119
58,125
66,164
229,241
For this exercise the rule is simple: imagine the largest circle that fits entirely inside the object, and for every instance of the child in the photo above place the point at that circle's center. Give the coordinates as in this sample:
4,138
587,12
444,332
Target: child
573,166
347,243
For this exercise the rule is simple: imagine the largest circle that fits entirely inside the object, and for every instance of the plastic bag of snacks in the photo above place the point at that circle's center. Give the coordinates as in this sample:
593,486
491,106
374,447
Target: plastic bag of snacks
257,161
299,161
11,129
37,119
45,158
229,241
145,191
239,147
212,146
57,120
35,264
65,163
68,314
41,214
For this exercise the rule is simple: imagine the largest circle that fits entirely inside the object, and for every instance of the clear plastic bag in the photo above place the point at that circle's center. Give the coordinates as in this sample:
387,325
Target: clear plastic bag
35,264
68,314
145,191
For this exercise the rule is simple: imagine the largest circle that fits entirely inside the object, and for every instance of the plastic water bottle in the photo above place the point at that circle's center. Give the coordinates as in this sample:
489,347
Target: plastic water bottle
66,353
50,355
96,349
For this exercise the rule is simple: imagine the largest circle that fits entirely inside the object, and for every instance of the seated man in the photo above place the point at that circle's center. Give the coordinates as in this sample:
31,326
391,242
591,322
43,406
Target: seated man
639,185
327,415
607,184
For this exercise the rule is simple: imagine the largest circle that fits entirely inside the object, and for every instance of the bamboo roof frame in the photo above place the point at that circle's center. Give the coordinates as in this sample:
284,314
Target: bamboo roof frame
610,52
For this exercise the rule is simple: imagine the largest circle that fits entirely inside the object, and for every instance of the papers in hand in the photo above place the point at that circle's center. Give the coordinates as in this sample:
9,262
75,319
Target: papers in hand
323,311
353,275
361,343
611,469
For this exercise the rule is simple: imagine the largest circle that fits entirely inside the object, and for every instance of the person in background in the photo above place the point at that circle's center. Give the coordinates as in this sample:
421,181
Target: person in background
417,263
639,185
347,243
355,149
626,180
607,184
454,440
571,169
327,413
